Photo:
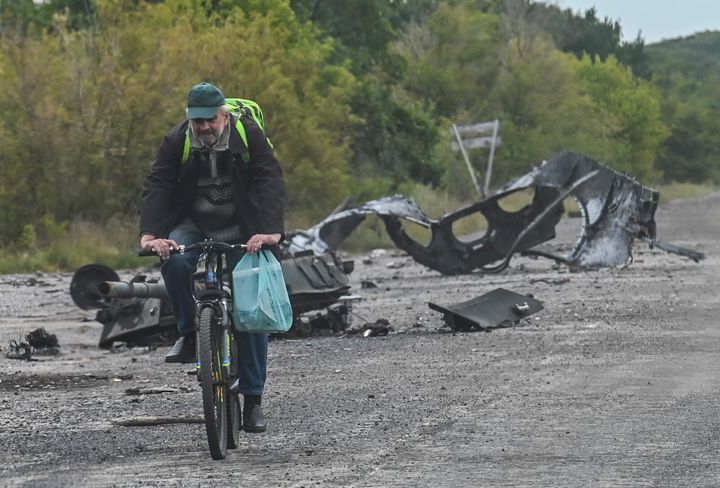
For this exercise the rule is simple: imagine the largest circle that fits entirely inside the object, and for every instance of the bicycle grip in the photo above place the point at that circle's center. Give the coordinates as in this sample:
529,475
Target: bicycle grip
173,250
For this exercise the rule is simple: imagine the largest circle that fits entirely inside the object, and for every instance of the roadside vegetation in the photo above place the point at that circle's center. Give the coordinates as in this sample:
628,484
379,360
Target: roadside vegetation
358,96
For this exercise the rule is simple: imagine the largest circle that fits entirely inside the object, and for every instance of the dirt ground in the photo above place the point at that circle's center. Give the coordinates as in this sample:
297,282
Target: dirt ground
615,383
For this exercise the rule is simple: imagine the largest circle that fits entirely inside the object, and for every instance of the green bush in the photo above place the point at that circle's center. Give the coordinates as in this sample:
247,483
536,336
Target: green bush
66,246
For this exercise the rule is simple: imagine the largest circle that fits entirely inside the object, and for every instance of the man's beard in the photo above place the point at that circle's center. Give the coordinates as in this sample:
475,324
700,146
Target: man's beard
209,138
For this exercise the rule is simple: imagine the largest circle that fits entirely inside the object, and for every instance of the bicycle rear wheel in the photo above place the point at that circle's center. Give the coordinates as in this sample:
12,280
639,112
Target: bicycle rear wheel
212,380
233,399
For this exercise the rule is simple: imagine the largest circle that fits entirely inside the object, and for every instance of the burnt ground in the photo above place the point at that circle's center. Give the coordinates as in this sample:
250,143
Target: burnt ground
615,383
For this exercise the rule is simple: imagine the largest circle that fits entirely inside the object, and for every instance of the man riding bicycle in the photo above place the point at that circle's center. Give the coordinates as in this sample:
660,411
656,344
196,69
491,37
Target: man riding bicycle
225,190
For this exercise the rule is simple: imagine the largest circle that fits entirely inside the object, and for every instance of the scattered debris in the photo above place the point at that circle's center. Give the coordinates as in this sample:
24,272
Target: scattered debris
559,281
334,319
155,390
32,281
615,210
149,421
94,376
42,342
672,248
381,327
38,342
498,308
19,350
120,348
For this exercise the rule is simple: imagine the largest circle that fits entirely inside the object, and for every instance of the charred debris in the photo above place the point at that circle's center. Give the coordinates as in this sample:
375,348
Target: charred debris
615,210
37,342
138,311
498,308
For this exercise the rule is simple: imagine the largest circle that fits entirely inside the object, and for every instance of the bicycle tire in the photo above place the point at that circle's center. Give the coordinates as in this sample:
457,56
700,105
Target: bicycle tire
234,414
212,381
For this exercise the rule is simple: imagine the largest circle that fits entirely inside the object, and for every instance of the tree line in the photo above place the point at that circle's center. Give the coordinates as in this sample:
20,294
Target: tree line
358,96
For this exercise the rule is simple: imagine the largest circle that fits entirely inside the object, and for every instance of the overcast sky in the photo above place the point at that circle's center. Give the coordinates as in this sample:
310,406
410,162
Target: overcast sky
657,19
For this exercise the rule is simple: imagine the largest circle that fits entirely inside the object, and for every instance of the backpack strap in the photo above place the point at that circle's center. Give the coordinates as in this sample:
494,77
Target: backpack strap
186,147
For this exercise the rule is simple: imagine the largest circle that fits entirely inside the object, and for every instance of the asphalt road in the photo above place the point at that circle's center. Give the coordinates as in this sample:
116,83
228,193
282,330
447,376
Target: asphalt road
615,383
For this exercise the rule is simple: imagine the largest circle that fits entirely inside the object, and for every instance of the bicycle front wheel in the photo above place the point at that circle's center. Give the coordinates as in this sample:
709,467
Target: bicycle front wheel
212,380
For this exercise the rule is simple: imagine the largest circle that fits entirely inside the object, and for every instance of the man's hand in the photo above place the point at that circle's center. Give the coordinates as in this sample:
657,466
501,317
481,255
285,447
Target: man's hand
162,247
256,242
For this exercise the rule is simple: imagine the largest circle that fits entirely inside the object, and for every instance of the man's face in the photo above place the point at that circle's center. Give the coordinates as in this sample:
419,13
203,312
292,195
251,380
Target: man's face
209,131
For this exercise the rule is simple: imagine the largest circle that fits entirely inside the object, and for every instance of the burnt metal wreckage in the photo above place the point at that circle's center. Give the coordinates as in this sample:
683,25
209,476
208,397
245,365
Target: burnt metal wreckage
615,210
498,308
138,311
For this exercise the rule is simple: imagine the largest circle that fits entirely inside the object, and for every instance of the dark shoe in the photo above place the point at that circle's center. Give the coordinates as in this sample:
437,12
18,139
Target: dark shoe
183,351
253,418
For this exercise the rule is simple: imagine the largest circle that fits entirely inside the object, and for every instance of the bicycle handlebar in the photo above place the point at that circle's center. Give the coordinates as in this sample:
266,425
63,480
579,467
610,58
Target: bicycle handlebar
204,245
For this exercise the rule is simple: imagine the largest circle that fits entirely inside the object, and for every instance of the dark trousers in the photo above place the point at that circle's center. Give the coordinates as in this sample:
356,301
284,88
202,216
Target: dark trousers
177,273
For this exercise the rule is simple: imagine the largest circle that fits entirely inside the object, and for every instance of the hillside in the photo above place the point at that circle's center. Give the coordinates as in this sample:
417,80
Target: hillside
687,72
695,55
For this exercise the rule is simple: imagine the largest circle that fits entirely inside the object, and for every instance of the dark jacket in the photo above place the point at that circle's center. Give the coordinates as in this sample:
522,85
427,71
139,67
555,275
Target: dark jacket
258,185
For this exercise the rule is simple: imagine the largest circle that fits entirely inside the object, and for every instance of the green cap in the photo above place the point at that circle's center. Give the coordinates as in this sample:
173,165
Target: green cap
204,100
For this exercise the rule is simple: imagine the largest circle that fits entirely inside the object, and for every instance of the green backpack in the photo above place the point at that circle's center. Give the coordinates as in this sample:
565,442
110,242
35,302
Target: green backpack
243,108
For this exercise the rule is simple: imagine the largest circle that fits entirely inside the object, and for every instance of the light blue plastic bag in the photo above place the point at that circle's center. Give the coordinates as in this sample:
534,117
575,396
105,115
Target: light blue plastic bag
260,298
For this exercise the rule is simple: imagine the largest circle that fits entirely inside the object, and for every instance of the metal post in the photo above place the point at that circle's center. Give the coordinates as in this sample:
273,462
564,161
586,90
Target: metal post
488,173
467,162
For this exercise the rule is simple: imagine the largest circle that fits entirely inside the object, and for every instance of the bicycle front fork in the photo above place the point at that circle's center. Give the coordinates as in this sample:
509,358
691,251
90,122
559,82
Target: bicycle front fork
224,326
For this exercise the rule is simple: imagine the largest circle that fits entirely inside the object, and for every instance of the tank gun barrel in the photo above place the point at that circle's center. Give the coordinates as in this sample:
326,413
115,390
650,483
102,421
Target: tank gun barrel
125,289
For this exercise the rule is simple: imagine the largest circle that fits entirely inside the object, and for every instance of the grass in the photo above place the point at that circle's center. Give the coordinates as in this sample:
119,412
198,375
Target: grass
70,245
674,191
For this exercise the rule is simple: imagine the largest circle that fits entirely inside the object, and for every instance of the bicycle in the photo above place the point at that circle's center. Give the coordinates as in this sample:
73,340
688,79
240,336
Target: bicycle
216,355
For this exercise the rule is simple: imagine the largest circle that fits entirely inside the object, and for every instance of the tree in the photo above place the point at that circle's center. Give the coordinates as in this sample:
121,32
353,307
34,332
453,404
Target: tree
631,108
453,60
586,34
687,72
361,28
100,100
395,137
28,16
691,152
542,108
